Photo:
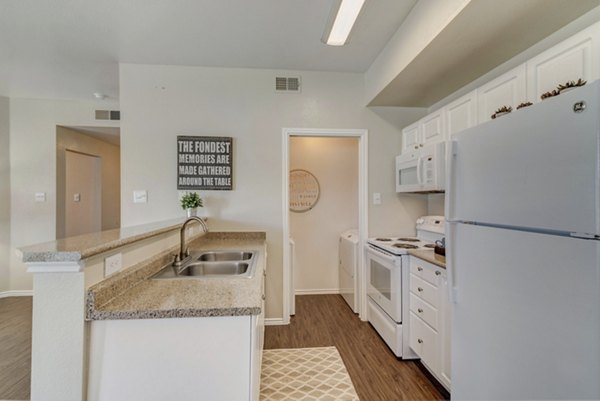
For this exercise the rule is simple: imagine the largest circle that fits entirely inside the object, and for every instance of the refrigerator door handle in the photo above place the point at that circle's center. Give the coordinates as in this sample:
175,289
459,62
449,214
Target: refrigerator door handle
450,266
450,156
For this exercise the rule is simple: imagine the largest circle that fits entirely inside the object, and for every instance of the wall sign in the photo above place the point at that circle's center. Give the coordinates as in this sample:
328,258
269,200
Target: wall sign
304,191
204,162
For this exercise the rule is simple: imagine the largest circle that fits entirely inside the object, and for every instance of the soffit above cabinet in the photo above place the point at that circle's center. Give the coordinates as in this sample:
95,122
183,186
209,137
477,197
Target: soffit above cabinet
483,35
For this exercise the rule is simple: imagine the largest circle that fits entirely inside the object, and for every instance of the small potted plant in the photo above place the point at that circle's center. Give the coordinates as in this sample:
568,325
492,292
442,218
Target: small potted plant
190,202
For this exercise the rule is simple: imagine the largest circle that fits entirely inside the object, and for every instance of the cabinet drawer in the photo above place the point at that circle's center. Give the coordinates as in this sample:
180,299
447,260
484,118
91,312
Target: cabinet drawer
425,311
425,270
425,291
424,341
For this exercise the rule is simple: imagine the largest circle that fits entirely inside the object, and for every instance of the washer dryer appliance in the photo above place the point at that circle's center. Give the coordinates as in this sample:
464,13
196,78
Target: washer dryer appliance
348,262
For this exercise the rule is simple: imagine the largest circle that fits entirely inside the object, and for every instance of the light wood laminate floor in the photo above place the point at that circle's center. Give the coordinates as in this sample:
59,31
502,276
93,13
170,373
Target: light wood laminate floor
15,348
377,375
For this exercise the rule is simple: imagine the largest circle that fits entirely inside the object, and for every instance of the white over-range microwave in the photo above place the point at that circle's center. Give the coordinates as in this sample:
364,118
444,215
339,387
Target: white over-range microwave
422,170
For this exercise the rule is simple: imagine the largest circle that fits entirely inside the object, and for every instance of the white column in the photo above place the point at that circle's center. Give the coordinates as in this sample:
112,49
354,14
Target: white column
58,336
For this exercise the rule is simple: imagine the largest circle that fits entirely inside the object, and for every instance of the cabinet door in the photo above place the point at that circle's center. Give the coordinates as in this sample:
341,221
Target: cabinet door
461,114
506,90
568,61
411,137
432,128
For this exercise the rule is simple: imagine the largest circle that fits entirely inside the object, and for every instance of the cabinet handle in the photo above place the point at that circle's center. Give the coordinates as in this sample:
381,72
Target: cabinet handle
416,147
265,273
437,272
420,341
419,289
419,268
263,297
421,145
420,310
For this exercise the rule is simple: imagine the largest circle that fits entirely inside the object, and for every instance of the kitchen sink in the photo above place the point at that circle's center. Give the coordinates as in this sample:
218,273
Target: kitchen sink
218,256
211,269
207,264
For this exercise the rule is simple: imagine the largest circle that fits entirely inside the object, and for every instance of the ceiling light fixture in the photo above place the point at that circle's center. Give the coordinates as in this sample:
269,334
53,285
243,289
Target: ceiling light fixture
341,20
99,95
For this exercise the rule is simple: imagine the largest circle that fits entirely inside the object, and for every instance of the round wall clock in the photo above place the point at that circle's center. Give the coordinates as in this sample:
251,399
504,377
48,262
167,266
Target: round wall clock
304,191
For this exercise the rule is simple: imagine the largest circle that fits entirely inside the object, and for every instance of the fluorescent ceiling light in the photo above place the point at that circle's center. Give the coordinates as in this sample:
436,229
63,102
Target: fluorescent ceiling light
342,22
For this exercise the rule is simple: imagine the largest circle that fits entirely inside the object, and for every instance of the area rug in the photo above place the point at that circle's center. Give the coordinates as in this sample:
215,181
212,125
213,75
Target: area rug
305,374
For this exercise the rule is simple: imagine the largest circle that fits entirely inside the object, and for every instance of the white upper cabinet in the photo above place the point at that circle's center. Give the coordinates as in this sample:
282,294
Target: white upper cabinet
567,61
428,130
432,128
410,137
461,114
509,89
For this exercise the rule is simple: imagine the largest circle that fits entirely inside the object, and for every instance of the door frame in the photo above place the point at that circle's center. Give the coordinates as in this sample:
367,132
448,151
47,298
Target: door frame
363,204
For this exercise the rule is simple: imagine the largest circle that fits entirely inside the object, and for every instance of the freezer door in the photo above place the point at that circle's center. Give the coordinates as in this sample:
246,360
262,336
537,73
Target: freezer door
526,322
536,167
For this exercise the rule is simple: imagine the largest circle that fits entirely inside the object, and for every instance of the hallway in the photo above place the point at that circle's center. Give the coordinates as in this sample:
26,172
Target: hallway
326,320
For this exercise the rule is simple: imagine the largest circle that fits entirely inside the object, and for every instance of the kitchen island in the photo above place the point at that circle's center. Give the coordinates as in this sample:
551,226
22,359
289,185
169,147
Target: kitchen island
129,336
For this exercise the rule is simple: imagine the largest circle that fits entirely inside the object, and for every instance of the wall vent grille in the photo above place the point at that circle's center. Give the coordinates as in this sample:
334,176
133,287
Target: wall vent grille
287,84
114,115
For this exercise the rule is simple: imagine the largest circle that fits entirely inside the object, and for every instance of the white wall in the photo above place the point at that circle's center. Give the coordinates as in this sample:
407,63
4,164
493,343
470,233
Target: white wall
160,102
424,22
33,169
110,154
334,162
4,194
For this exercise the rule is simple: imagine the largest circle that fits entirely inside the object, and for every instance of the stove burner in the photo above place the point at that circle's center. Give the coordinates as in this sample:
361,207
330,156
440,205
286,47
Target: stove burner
405,246
429,246
383,239
409,239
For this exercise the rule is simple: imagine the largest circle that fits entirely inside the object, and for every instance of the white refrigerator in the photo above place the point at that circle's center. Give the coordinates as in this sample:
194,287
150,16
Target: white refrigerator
523,252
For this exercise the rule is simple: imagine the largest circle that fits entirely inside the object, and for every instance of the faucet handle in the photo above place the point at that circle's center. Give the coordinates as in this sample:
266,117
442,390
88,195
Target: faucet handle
187,252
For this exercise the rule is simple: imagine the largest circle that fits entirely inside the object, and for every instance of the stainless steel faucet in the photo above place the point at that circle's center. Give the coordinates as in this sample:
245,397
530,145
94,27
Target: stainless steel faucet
183,251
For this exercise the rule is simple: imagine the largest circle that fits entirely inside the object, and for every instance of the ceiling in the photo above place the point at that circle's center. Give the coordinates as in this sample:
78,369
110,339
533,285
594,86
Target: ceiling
71,48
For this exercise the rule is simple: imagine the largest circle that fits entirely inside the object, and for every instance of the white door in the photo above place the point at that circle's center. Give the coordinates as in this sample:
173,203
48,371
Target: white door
567,61
461,114
411,137
506,90
537,168
525,322
432,128
83,194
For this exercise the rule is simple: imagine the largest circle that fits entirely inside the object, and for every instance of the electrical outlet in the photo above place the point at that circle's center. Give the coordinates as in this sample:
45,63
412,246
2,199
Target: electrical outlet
140,196
40,197
113,264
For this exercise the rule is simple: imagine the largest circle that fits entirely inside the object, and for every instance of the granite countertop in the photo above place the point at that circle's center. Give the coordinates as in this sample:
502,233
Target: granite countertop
429,256
74,249
132,294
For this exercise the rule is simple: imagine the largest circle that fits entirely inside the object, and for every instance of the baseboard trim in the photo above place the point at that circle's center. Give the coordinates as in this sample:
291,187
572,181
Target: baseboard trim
325,291
16,293
274,321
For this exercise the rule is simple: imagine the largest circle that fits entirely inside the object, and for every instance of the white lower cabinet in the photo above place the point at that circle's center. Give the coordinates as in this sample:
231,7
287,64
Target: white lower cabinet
429,320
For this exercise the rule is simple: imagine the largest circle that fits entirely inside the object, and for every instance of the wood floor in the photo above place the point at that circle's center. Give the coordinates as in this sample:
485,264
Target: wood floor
15,348
326,320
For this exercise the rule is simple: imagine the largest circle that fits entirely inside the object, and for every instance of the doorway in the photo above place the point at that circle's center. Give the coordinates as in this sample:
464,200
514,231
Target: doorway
317,148
88,187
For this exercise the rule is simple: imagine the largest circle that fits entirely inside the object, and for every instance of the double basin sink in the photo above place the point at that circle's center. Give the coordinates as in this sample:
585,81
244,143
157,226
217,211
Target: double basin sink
205,264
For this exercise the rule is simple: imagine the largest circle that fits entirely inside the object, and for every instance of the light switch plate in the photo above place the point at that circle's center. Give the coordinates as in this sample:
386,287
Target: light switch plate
376,198
76,197
40,197
140,196
113,264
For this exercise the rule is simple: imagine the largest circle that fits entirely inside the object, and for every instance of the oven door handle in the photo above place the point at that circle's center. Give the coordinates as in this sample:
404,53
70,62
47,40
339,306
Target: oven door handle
379,253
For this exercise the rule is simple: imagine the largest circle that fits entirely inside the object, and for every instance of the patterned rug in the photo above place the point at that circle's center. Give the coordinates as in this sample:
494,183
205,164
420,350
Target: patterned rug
305,374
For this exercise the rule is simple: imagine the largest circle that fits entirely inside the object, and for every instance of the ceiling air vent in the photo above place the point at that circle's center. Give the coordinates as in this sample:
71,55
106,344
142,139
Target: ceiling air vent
287,84
108,115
